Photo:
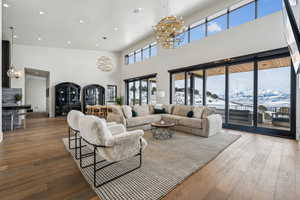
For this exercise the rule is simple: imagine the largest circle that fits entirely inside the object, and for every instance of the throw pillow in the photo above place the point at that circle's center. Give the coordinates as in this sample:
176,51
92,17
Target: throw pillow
134,114
127,110
168,108
141,110
198,112
159,111
190,114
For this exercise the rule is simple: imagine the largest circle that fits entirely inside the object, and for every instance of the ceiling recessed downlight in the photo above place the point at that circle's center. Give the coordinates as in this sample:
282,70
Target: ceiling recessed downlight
5,5
42,12
81,21
39,38
69,42
116,28
15,36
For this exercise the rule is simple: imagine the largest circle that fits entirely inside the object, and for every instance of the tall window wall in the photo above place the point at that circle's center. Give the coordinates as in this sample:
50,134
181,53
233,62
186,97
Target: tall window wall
141,90
141,54
253,93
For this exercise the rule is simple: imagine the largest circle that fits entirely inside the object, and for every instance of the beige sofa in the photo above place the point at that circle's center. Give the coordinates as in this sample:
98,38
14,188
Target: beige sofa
204,122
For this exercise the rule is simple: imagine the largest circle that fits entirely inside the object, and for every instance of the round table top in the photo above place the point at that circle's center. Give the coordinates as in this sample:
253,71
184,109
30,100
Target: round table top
162,125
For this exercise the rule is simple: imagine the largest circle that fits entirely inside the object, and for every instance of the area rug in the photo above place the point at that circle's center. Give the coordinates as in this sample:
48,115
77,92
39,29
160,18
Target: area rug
166,163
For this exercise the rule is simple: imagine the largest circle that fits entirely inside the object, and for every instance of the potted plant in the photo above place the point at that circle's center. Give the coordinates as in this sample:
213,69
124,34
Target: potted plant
120,101
18,99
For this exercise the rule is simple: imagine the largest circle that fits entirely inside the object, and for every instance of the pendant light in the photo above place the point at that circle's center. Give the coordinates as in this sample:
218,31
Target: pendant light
12,72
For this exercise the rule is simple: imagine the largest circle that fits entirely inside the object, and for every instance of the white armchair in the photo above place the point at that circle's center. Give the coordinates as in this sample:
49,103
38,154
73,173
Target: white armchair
113,143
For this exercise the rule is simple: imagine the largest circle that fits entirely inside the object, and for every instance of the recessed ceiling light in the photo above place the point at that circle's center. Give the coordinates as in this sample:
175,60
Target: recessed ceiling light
15,36
69,42
5,5
137,10
42,12
81,21
39,38
116,28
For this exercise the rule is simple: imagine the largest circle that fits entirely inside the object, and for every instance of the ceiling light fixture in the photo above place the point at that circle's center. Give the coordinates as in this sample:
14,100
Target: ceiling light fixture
12,72
5,5
104,63
39,38
69,42
116,28
42,12
15,36
168,31
81,21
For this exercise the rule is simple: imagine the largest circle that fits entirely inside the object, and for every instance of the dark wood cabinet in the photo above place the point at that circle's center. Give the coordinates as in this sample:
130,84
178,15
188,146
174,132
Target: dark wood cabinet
92,95
5,63
67,97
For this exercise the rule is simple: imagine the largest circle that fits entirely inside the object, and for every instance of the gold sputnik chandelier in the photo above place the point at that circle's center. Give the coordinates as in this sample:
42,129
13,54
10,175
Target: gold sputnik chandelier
168,31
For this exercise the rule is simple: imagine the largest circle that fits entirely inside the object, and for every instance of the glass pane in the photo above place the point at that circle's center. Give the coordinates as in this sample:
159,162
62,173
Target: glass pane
215,89
196,87
216,25
144,90
274,96
197,32
184,39
138,56
137,93
131,59
153,89
131,93
242,15
178,88
153,50
266,7
146,53
241,94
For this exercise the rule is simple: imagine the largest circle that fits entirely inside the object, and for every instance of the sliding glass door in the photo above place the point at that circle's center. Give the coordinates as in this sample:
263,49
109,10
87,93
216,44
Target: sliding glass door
240,100
257,94
274,94
141,90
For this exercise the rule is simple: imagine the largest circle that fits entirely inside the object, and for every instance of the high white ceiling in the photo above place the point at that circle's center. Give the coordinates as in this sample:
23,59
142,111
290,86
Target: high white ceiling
60,25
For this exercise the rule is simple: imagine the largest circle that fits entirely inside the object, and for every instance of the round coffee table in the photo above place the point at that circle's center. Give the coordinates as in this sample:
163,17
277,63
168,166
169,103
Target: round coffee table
161,130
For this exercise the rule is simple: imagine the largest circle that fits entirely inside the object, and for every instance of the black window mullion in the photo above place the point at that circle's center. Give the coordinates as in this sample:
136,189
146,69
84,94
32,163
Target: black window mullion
206,25
228,18
255,94
226,94
293,101
185,88
134,93
142,56
204,88
192,88
140,93
189,34
148,91
256,9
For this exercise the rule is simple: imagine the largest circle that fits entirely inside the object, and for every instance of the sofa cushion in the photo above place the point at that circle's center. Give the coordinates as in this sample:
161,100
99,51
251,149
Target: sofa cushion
182,110
127,111
142,120
116,110
198,111
142,110
171,118
168,108
190,122
151,109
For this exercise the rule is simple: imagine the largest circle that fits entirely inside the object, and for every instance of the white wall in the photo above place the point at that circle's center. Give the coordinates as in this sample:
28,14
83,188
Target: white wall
78,66
35,92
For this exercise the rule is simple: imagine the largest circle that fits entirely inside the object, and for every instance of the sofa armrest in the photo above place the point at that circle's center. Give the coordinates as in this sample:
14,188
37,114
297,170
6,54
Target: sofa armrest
117,129
113,117
212,125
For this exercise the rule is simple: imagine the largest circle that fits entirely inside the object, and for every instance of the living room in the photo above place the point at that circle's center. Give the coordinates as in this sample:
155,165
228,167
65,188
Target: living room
190,99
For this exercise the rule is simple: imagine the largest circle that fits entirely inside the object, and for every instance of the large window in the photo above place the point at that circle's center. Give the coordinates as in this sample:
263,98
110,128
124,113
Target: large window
215,89
274,95
146,53
141,54
241,15
251,94
141,90
153,49
267,7
241,93
217,23
138,56
182,38
197,31
178,91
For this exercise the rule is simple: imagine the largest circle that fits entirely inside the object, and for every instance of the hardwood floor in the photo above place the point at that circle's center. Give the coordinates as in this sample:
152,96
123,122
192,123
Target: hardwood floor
35,165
